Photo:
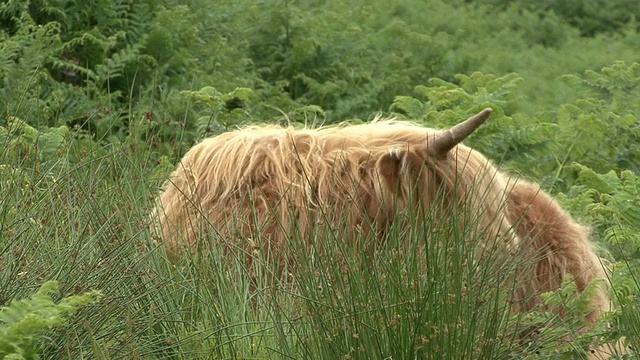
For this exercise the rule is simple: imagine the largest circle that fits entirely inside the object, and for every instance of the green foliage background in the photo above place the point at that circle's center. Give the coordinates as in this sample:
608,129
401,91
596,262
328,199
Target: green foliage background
99,99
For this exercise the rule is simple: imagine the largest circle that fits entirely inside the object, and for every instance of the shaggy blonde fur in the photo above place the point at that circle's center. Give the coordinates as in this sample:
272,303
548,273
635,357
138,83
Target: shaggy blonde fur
248,183
367,171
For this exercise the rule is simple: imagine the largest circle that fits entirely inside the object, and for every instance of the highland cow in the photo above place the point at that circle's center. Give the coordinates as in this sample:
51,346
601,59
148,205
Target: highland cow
261,182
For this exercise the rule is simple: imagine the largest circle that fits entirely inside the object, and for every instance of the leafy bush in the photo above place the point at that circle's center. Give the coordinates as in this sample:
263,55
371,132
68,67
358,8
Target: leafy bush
24,323
588,16
604,119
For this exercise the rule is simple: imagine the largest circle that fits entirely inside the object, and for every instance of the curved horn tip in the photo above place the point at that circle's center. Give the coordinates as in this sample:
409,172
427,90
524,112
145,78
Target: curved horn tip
485,113
447,139
476,119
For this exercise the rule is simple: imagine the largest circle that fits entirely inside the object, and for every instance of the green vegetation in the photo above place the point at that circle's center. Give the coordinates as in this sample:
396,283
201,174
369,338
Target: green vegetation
98,100
23,321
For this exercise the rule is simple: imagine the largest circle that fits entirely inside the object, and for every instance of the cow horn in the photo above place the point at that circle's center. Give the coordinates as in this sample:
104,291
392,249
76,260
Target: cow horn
445,140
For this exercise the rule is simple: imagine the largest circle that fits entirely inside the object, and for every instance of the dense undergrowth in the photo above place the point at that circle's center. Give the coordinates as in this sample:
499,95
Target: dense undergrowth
98,100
